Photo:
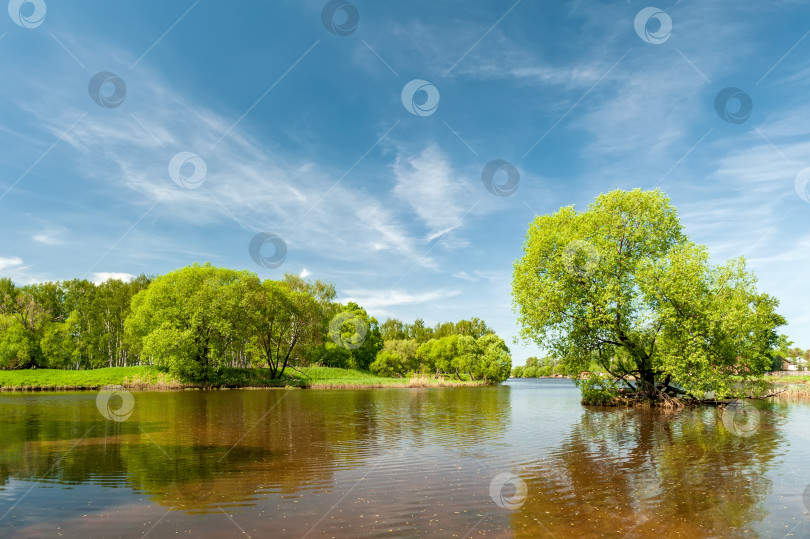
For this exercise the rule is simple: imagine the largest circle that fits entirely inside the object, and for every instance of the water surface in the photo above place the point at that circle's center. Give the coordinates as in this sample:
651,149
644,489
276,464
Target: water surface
395,462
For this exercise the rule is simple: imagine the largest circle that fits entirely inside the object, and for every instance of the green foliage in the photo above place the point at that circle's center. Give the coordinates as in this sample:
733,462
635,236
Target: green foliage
198,322
397,358
356,331
536,368
598,391
486,358
622,286
190,319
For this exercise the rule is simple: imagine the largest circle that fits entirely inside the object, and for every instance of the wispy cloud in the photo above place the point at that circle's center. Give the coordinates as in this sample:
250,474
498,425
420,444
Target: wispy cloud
380,302
437,193
49,237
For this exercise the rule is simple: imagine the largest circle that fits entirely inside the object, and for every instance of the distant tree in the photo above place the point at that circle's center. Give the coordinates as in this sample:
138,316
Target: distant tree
473,327
359,333
393,329
418,331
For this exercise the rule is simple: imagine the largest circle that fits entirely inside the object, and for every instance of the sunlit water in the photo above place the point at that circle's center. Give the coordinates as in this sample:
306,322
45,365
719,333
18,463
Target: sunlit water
395,462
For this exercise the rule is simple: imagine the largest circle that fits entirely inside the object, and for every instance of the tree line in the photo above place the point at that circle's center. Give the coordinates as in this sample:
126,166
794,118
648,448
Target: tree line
537,367
201,318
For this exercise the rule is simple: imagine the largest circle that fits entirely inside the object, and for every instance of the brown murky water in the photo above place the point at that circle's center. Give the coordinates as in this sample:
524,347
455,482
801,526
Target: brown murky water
521,460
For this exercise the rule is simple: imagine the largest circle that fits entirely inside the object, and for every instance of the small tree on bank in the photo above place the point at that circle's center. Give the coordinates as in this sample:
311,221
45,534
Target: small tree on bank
622,286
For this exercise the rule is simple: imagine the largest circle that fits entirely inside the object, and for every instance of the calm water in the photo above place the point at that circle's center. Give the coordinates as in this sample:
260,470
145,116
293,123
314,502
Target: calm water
395,462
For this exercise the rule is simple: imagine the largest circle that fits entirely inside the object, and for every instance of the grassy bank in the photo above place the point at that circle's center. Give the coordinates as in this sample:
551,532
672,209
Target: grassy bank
799,379
152,378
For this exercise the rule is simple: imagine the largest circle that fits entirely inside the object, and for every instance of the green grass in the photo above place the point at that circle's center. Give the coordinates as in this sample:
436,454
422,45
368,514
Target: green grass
333,377
798,379
152,378
57,379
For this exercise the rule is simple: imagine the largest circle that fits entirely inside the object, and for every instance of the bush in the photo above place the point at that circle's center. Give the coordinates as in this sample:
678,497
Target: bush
599,391
388,364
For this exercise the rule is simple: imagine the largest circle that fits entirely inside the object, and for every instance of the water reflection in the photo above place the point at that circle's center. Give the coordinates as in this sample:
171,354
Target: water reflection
648,473
193,450
408,462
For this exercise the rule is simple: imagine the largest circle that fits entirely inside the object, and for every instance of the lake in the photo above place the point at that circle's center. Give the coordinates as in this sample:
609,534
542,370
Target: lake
524,459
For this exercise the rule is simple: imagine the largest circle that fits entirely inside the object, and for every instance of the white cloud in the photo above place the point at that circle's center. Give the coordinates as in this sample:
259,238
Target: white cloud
10,262
102,276
13,268
305,273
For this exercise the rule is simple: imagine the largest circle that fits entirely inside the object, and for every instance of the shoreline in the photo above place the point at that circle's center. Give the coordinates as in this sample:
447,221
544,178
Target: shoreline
148,378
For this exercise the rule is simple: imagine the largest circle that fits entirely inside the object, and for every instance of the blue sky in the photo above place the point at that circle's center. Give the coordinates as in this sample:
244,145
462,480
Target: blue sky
303,133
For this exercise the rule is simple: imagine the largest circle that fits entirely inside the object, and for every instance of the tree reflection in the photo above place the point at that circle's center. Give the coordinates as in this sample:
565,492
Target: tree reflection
651,473
195,450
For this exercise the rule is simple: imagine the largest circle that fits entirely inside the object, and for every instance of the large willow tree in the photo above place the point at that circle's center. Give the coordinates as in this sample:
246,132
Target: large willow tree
621,285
